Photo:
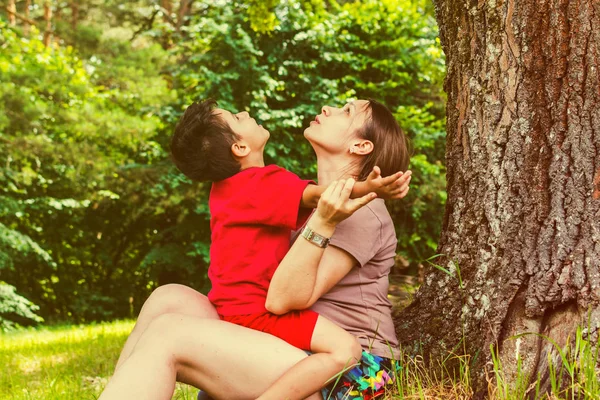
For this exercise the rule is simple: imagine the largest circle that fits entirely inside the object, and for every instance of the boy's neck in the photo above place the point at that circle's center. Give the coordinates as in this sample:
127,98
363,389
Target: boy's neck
252,160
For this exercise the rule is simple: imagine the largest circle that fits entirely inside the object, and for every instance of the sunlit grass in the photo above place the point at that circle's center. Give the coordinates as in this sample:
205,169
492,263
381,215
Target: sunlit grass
74,362
69,362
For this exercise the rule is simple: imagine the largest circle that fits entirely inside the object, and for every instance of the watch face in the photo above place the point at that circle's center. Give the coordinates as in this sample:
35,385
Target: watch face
318,240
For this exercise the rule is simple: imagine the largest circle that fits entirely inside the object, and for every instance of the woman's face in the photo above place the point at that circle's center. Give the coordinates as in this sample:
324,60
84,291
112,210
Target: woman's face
335,128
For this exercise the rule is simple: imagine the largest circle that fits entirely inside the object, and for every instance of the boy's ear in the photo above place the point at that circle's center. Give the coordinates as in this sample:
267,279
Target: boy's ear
240,149
362,147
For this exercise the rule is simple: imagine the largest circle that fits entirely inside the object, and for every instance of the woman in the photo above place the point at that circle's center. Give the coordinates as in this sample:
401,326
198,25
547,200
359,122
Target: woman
179,336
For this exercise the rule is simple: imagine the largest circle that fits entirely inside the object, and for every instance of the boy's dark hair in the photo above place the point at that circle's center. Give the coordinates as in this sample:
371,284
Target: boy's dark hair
391,152
201,144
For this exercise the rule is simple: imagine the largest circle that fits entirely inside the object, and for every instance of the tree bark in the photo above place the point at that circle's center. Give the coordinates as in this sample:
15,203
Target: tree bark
184,9
20,17
522,222
12,10
48,20
167,6
27,27
74,15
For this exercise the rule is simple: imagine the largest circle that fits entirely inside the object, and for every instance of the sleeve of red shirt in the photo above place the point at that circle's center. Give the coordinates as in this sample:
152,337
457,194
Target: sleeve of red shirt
276,200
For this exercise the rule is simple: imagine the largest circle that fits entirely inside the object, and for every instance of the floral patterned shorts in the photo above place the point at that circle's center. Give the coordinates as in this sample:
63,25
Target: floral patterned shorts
368,380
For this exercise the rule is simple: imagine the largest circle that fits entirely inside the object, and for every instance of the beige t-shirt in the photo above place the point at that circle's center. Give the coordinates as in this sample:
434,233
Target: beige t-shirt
359,303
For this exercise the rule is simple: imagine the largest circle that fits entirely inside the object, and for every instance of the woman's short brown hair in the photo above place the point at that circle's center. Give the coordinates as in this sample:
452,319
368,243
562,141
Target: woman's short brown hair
390,144
201,144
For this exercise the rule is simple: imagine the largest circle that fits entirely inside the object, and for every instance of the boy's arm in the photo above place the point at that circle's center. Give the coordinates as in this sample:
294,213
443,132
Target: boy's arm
311,195
394,186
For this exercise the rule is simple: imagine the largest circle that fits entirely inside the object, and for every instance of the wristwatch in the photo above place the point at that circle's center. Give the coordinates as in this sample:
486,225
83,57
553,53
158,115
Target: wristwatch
314,237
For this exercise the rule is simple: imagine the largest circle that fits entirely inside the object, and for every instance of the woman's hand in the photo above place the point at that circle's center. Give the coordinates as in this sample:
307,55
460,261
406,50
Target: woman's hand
336,205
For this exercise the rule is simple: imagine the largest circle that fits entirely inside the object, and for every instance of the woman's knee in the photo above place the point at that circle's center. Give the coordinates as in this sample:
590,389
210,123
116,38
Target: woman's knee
175,298
170,337
164,326
160,336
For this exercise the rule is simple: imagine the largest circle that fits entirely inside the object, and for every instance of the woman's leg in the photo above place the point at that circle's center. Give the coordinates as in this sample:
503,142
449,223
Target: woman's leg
177,299
225,360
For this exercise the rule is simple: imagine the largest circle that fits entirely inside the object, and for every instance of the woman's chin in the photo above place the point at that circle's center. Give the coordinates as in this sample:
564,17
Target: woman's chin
312,130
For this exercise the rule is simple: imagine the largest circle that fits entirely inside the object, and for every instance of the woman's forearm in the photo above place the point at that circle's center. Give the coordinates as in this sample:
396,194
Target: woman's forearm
294,280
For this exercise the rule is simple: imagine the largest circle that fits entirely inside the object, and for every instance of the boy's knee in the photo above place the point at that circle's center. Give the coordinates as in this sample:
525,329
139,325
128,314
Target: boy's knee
348,353
356,351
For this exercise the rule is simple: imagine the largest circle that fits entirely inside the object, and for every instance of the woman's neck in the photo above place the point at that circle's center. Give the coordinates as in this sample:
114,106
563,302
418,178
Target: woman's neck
332,168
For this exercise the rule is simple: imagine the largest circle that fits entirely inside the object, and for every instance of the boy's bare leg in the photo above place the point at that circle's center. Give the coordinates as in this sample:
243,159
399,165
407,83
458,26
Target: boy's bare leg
173,298
335,350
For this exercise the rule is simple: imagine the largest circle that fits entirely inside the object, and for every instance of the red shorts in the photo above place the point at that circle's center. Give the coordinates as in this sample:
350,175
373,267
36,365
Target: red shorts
295,327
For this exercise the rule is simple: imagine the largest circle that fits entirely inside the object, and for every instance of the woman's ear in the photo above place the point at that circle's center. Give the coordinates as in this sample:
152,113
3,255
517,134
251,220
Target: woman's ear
362,147
240,149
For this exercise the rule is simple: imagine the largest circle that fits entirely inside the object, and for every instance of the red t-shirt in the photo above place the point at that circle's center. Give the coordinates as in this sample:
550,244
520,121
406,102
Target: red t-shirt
252,216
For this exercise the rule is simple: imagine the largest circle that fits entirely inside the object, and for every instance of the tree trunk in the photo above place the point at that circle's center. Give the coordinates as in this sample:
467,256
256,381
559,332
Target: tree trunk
167,14
167,6
522,223
27,27
24,18
12,10
184,9
48,20
74,15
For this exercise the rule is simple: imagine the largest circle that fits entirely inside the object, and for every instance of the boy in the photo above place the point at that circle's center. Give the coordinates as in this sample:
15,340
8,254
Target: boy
254,208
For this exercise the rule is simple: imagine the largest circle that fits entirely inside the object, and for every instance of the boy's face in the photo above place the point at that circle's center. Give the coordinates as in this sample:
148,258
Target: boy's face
254,135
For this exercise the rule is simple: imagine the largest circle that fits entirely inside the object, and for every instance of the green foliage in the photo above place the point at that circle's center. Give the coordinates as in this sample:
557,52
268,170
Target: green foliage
385,50
261,14
14,307
91,206
79,159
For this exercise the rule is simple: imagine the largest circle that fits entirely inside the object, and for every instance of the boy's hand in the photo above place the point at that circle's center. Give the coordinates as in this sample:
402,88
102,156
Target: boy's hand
336,205
395,186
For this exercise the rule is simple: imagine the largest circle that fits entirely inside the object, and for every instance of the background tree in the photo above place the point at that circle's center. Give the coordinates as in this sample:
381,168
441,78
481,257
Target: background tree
93,214
521,234
12,9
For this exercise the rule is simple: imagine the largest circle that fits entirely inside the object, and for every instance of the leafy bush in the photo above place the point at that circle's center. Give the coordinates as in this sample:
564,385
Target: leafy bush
387,50
15,308
94,215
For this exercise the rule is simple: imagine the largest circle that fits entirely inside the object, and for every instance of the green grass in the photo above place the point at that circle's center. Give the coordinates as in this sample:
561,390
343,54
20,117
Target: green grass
68,362
74,362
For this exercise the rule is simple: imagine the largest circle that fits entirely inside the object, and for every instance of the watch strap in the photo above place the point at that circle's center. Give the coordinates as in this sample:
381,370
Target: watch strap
314,237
